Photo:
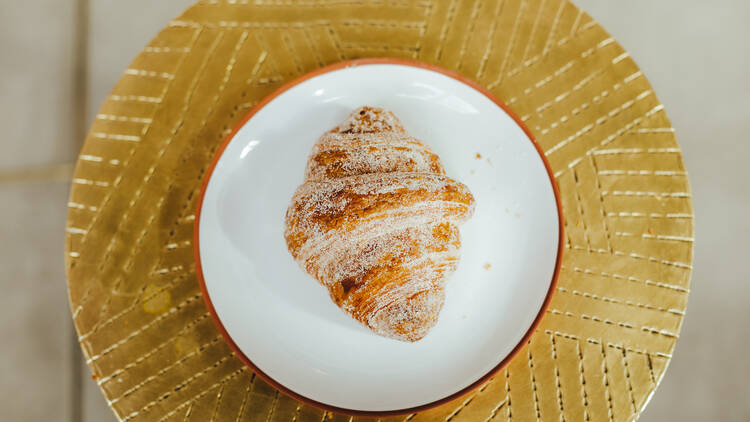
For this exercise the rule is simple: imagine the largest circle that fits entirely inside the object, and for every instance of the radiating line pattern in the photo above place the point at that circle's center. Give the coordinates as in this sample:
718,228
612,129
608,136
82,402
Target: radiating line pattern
603,345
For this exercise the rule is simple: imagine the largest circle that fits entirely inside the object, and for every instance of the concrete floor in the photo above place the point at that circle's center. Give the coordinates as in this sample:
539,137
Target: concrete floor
695,53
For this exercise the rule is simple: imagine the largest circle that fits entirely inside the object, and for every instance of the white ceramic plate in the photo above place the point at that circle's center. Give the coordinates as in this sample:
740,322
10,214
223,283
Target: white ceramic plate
282,323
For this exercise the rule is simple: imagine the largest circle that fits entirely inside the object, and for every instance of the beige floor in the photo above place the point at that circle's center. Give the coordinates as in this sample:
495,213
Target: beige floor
695,53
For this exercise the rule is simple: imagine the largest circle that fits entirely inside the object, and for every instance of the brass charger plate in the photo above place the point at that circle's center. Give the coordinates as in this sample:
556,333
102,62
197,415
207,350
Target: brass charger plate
612,325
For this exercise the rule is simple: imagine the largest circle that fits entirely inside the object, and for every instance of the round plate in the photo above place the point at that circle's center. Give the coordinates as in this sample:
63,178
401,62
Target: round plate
282,323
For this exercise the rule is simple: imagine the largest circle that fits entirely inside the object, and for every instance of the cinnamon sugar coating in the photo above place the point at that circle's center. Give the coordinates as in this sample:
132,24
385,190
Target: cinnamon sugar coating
376,222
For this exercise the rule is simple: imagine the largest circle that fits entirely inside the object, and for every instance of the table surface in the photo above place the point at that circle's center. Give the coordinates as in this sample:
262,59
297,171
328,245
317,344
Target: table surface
623,288
38,186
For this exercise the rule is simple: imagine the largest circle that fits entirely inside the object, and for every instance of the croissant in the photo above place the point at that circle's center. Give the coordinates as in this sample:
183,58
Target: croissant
376,222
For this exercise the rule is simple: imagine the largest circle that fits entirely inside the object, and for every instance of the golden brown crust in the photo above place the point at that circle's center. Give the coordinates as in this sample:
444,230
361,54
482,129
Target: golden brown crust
376,222
339,155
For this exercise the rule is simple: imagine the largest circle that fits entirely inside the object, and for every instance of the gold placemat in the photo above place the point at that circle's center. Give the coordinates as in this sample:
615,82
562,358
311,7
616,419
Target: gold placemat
608,336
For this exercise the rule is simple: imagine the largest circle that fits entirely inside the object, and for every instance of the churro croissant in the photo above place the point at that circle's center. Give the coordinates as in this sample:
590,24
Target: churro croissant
376,223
